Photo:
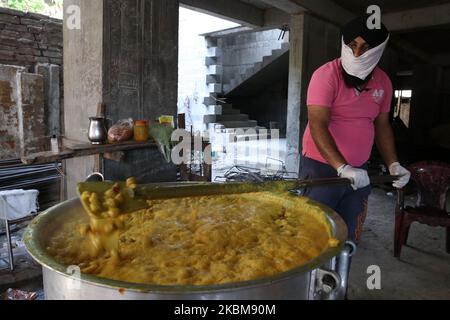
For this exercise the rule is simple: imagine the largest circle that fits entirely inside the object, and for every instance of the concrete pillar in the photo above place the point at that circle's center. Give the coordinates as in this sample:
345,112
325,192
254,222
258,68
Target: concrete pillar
52,97
31,113
426,103
140,69
9,120
83,63
126,56
314,42
22,126
296,59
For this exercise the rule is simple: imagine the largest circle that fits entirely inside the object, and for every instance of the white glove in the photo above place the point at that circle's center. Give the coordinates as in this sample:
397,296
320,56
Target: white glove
359,177
396,169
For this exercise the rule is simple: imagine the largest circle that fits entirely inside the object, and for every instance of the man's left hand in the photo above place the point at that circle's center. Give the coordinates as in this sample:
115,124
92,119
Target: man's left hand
396,169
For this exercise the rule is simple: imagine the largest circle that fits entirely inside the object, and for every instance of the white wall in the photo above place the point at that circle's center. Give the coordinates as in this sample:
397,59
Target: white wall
191,66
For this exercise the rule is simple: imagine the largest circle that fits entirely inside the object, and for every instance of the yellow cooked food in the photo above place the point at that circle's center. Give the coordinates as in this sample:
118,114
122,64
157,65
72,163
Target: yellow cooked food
201,240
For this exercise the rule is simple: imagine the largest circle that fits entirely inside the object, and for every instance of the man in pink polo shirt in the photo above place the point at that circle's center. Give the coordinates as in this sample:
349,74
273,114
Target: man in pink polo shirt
349,100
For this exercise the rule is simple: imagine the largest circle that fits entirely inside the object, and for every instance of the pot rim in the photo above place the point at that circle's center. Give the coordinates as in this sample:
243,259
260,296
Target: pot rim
39,254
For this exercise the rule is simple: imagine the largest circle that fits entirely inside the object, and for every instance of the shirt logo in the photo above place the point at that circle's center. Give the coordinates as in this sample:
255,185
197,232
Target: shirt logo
378,95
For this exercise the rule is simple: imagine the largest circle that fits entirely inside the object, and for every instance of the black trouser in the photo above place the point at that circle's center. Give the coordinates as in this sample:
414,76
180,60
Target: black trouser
351,205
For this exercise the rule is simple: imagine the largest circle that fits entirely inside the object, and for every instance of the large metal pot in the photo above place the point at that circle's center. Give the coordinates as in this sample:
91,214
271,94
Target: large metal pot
310,281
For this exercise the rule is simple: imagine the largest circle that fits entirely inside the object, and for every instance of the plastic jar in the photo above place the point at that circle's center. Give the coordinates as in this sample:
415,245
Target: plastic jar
141,130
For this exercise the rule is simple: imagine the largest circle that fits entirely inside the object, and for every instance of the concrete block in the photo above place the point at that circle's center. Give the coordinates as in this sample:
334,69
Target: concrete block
208,101
211,79
224,118
285,46
250,72
242,52
215,70
223,109
213,52
236,124
257,65
9,117
227,106
215,88
211,42
52,97
211,100
210,61
230,111
31,113
214,109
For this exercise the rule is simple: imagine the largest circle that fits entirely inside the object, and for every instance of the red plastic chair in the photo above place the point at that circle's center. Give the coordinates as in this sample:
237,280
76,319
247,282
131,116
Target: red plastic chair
433,181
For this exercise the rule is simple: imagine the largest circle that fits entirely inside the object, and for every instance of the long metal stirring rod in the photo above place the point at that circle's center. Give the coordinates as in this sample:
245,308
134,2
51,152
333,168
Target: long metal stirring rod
185,190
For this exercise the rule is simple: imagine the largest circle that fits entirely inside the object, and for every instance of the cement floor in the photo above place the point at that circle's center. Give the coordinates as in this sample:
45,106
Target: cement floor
27,273
423,270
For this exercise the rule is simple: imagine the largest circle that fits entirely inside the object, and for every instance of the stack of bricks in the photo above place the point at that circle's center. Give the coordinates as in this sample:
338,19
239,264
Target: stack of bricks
29,38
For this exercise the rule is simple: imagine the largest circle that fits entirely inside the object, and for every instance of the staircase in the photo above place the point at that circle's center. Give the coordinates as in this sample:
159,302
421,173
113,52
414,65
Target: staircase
257,67
219,112
232,63
227,117
220,83
214,72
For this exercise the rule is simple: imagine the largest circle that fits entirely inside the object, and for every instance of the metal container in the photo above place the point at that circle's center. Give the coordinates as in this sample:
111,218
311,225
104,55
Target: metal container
309,282
97,130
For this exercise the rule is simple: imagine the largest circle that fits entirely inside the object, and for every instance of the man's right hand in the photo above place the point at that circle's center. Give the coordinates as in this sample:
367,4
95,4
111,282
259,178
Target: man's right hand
359,177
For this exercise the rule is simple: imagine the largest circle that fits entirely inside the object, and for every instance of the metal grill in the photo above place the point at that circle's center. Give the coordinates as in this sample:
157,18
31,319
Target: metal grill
249,174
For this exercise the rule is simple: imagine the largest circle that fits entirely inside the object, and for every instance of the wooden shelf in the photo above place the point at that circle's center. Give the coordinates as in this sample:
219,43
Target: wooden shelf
73,149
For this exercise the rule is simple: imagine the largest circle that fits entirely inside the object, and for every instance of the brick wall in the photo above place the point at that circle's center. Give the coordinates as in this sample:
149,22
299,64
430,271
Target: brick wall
29,38
31,49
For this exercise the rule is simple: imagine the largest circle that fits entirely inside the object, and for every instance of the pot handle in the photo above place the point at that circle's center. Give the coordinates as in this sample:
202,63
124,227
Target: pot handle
327,282
95,177
332,283
343,269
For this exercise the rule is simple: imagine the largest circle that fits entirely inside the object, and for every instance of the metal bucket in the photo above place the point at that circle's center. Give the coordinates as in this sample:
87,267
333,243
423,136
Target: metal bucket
308,282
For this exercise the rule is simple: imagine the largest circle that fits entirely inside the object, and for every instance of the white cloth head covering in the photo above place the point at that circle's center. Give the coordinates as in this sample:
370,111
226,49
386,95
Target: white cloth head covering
363,65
